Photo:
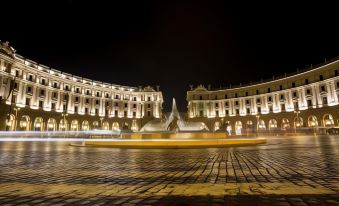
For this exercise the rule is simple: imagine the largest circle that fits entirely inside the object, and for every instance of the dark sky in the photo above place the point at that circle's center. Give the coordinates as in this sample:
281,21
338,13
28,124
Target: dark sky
172,43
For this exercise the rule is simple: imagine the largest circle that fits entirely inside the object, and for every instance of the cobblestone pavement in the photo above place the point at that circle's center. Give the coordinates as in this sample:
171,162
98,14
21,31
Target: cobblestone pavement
293,171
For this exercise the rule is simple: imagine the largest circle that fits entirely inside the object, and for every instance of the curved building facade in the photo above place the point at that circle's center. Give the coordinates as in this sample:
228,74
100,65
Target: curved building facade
36,97
305,101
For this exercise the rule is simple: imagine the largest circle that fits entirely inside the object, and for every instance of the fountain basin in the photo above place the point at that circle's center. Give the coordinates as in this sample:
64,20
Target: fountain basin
175,143
174,135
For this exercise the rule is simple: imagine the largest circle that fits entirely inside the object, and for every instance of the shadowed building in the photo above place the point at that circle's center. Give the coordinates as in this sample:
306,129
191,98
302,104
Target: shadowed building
36,97
306,102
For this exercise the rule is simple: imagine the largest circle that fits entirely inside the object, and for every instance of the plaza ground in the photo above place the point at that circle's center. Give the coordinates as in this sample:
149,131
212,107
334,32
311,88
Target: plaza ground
301,170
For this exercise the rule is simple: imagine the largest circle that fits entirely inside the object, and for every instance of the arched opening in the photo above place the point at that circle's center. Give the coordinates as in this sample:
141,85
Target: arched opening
328,120
115,126
285,123
25,123
217,126
272,124
95,125
298,122
85,125
51,125
105,125
238,127
228,127
134,126
74,125
312,121
261,125
38,124
63,126
125,126
10,123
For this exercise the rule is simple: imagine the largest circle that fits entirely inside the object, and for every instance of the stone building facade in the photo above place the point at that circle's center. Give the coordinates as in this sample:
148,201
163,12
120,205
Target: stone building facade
302,101
36,97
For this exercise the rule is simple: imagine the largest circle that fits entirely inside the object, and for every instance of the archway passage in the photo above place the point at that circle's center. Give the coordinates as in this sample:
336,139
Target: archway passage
105,125
238,127
217,126
85,125
74,125
312,121
298,122
272,124
25,123
95,125
285,123
115,126
261,125
51,125
10,123
38,124
328,120
63,125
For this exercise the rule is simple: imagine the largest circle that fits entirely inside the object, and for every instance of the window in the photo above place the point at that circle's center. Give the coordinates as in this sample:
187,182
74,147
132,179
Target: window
270,108
282,97
134,98
296,105
268,90
97,102
336,73
200,97
236,103
16,86
227,113
247,101
96,111
30,78
324,100
280,87
308,91
257,91
306,81
76,99
53,106
282,107
248,111
125,105
246,94
41,103
323,89
148,113
309,103
259,109
106,112
321,77
107,103
87,101
65,97
134,106
116,104
225,96
293,84
226,104
294,94
28,101
87,92
66,87
237,111
116,113
75,109
77,90
216,97
125,113
29,89
258,100
269,99
116,96
107,95
148,98
55,85
98,94
148,105
86,110
64,107
43,81
42,92
134,114
236,95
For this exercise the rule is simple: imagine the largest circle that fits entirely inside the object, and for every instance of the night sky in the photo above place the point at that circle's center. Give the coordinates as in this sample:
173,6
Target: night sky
172,43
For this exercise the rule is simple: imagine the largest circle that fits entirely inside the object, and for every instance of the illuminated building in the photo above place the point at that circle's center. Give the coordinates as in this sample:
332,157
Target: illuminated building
36,97
301,101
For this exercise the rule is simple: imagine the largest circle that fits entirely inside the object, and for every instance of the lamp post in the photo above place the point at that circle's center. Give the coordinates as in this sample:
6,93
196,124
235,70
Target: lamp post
16,109
101,118
297,121
64,115
257,116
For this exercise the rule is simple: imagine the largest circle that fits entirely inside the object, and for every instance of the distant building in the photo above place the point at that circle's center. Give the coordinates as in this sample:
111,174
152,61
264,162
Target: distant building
303,101
36,97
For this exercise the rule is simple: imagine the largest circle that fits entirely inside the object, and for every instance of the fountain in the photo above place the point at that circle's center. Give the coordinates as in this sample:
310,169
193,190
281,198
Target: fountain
173,123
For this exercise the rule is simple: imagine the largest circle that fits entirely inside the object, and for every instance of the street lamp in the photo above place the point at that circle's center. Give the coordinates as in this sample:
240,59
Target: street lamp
16,109
257,116
297,121
64,115
101,118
